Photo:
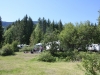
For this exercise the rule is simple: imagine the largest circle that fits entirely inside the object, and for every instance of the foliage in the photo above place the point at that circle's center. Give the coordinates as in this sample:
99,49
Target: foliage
68,36
46,57
36,35
8,35
71,36
7,50
25,49
92,64
1,33
20,30
52,39
60,26
14,46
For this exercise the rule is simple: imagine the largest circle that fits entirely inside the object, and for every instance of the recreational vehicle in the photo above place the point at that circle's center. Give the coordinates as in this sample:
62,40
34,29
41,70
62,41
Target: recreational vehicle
93,47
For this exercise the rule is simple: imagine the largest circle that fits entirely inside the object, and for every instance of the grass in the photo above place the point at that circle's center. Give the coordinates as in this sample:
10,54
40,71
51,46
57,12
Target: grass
26,64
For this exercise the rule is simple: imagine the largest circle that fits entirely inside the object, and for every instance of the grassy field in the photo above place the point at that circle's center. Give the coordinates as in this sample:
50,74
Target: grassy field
26,64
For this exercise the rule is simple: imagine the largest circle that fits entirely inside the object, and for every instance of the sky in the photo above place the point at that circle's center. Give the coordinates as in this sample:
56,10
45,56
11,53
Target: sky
64,10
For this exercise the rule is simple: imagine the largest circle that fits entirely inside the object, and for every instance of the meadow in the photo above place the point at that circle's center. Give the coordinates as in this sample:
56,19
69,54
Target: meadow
27,64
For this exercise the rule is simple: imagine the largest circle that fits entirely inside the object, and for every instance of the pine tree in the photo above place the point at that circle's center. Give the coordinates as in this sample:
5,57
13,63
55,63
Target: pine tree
22,30
60,25
26,29
52,26
44,25
48,23
99,18
1,30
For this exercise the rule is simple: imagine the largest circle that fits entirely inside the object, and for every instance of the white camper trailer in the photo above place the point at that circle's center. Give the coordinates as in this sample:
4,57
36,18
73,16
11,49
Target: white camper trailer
93,47
48,45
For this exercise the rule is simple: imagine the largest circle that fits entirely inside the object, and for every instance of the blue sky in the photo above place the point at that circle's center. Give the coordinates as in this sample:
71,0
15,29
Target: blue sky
66,10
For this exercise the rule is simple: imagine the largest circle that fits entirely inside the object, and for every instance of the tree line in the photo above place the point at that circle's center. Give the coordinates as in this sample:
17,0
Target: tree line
70,35
26,32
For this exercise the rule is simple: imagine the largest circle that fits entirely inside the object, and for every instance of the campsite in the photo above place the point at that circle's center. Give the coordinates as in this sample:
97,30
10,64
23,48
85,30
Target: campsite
50,37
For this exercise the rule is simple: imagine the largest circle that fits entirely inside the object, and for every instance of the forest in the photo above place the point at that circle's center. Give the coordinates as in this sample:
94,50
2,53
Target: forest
70,35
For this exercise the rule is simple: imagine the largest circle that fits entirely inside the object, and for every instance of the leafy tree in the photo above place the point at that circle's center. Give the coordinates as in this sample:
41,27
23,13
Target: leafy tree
20,30
68,36
36,35
14,46
51,39
8,35
86,34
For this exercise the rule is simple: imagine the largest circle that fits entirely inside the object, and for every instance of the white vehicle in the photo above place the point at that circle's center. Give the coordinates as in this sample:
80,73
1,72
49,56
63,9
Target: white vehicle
93,47
38,46
48,46
22,45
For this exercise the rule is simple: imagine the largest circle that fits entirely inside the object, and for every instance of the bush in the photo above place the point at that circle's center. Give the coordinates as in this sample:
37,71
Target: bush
14,46
92,64
72,56
7,50
76,56
25,49
46,57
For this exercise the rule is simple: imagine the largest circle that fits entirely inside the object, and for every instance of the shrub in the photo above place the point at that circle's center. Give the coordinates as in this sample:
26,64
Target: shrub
7,50
25,49
14,46
72,56
91,64
46,57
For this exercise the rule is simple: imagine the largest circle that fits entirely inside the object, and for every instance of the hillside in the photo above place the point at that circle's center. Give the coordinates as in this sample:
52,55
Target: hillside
5,24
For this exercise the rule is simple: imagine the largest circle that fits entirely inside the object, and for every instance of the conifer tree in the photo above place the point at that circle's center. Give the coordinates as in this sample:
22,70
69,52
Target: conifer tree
60,25
1,30
99,18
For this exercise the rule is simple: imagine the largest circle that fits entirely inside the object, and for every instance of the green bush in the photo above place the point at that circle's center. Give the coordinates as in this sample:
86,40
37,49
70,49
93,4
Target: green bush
25,49
7,50
14,46
46,57
91,63
72,56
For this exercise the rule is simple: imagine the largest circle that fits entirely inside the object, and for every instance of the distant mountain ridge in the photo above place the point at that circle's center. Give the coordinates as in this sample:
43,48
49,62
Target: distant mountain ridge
5,24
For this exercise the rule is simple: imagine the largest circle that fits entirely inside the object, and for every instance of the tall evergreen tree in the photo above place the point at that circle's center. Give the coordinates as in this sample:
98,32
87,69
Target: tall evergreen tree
27,26
1,30
21,31
60,25
48,23
99,18
40,22
44,25
52,26
56,26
